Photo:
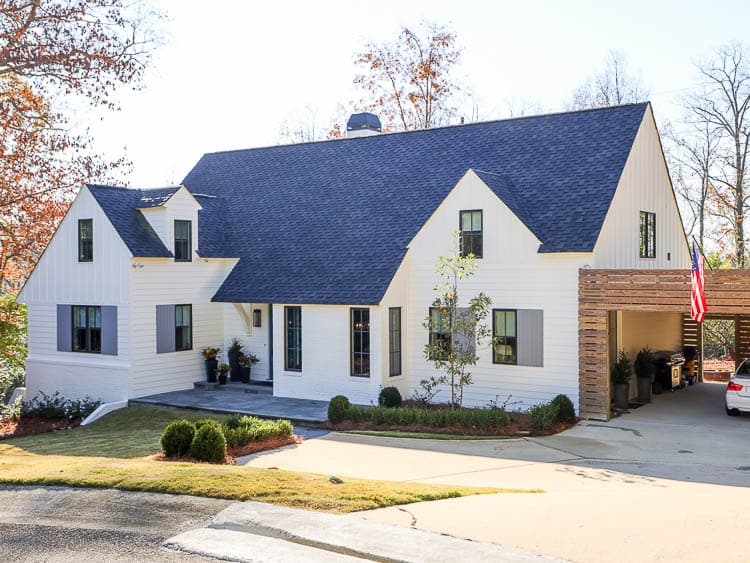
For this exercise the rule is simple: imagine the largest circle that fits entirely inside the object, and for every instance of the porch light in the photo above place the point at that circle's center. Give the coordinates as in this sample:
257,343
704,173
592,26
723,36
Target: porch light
256,318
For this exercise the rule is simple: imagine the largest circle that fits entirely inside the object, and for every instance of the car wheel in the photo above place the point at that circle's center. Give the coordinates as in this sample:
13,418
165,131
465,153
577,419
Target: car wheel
732,412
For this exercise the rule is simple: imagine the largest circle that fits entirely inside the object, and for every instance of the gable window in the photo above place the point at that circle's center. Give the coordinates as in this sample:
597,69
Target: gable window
394,341
648,234
504,340
440,335
183,327
360,329
293,338
85,240
182,241
87,329
471,233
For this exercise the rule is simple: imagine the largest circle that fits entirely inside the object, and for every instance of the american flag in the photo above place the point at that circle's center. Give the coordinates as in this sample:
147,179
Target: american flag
698,306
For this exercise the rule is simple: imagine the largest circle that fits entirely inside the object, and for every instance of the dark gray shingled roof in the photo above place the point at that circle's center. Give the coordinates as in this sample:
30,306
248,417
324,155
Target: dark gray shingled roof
328,222
156,197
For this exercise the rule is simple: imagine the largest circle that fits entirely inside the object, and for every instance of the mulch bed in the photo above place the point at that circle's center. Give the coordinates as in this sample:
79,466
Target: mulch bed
28,426
247,449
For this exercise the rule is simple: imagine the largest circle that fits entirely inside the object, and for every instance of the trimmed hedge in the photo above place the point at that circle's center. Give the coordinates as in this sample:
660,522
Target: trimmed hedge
481,419
338,409
566,412
251,429
209,443
389,397
177,438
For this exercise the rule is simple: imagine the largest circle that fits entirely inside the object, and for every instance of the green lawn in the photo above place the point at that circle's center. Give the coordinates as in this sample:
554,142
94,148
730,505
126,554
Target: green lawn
115,452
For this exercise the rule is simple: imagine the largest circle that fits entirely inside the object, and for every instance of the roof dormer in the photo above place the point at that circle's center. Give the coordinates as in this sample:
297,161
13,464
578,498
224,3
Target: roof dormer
173,215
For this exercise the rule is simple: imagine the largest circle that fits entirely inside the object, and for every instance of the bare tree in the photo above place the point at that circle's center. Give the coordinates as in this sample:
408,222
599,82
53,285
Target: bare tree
306,126
611,86
723,106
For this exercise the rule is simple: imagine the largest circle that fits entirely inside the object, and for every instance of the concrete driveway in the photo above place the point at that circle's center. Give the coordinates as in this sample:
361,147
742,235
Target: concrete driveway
664,482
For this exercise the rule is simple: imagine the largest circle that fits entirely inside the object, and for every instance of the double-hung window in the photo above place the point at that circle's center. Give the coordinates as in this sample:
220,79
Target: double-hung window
471,233
394,341
360,345
182,241
87,329
85,240
648,234
504,336
293,338
183,327
440,335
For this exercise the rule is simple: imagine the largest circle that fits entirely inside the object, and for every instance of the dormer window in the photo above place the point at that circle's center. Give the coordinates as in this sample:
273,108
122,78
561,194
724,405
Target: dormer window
183,241
85,240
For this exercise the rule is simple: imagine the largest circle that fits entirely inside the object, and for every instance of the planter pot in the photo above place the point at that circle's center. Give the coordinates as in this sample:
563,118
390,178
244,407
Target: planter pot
211,367
621,392
222,380
644,389
234,365
244,374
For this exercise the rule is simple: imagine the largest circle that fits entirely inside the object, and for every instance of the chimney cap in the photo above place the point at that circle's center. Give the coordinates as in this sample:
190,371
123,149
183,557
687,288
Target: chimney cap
364,120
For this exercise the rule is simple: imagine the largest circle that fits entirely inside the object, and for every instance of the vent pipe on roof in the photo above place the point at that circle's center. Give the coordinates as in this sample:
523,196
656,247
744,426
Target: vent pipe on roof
363,125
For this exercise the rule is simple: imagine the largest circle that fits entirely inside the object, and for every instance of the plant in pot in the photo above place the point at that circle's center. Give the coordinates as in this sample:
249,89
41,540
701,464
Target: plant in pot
212,364
223,371
622,371
233,355
244,368
644,373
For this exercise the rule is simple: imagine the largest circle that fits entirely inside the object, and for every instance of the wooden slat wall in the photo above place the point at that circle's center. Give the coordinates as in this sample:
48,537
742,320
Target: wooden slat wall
742,338
692,335
599,291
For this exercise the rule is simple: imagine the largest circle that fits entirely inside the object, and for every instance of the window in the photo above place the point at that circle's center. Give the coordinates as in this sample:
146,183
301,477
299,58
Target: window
85,240
471,233
648,235
360,323
440,335
256,318
293,338
394,341
183,327
504,341
87,329
182,241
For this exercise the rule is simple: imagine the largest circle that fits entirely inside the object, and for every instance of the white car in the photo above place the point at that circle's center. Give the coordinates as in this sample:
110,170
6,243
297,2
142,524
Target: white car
738,390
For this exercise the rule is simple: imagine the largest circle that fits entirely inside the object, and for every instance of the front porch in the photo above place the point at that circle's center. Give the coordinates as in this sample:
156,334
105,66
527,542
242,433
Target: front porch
245,399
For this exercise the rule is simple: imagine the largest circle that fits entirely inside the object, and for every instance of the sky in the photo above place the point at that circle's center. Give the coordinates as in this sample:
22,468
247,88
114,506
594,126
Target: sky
230,72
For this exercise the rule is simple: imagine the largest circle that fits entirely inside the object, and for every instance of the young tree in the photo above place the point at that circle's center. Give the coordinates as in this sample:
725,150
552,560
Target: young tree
610,86
456,332
723,107
409,82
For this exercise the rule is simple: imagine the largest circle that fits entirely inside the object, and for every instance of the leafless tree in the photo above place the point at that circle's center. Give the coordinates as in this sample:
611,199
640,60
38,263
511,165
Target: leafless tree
723,106
612,85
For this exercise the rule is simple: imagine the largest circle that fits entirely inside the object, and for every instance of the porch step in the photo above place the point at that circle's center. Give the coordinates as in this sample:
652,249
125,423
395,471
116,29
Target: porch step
233,387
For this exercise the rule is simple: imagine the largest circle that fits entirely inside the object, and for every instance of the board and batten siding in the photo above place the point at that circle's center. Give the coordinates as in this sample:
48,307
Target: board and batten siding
397,295
59,278
644,186
515,276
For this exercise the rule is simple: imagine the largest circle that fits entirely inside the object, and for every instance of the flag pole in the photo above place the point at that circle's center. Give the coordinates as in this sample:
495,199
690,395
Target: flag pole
705,260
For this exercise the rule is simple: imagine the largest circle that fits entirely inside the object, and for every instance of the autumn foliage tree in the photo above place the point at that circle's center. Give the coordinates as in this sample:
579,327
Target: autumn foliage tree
50,52
409,82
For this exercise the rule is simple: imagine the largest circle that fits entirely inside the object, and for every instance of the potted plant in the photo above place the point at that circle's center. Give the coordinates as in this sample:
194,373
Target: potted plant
223,371
212,363
244,368
622,371
233,355
644,372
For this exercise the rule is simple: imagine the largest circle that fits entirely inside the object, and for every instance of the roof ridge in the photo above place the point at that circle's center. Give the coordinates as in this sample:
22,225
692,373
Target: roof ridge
453,126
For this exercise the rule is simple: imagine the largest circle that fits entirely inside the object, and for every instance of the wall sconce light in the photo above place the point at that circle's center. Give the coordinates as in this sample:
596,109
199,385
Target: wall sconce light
256,318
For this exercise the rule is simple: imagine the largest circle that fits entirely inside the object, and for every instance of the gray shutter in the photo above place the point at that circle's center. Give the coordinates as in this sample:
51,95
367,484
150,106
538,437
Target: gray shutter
64,329
165,331
464,342
109,330
530,337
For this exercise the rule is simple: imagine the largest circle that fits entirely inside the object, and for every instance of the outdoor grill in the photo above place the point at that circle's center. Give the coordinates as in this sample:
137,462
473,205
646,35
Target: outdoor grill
668,370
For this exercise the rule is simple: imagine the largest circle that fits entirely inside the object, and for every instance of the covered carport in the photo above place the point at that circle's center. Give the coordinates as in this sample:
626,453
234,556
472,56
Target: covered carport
656,304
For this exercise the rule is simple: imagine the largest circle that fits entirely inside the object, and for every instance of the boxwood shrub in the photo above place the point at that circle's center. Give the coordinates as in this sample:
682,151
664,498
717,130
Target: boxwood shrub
209,443
480,419
543,416
389,397
566,412
251,429
177,438
338,409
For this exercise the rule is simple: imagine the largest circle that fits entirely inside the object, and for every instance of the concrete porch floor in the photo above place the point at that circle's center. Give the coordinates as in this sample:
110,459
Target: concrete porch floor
229,400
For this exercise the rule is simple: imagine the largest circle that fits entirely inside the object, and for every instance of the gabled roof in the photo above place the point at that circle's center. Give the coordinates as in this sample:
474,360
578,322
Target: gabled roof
329,222
120,205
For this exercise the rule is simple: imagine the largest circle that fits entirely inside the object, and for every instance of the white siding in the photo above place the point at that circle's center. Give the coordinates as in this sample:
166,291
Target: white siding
254,340
181,206
60,279
644,186
514,275
325,356
397,295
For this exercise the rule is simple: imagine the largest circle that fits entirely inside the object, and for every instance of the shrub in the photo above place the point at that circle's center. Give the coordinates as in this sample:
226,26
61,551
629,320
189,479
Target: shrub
204,421
78,409
389,397
234,420
55,406
479,419
209,443
337,409
644,363
248,429
177,438
543,416
622,369
566,412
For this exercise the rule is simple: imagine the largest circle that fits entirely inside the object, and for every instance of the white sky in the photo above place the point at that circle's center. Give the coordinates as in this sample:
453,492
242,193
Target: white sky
232,71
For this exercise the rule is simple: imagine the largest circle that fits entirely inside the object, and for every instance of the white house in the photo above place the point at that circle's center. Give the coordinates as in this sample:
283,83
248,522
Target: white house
320,257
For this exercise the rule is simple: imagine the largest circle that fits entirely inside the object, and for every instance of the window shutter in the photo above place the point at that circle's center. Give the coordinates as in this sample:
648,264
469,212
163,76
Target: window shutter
530,337
109,330
64,329
165,329
464,342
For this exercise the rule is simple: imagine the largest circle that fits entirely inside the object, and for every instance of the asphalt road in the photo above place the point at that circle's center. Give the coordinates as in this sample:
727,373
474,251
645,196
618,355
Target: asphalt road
62,524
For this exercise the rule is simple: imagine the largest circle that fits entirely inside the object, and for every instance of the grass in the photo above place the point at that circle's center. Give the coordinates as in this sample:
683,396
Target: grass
424,435
115,451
